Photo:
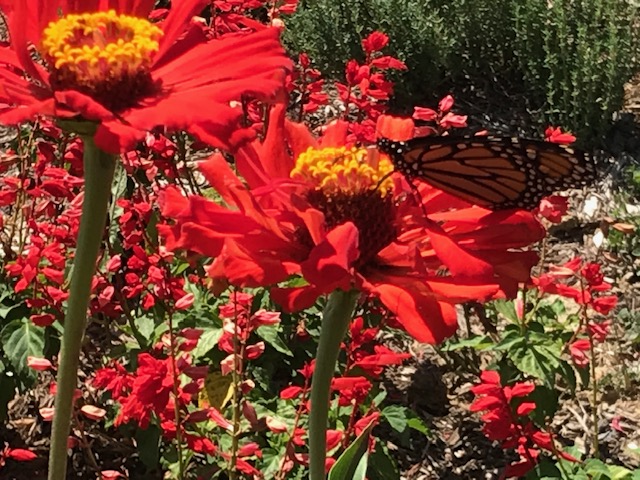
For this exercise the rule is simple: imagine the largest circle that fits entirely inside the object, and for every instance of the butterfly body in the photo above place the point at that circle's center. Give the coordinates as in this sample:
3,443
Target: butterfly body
493,172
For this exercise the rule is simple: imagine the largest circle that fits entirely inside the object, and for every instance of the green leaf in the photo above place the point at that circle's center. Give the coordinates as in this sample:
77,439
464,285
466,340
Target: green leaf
146,327
21,339
271,460
477,342
269,333
148,442
617,472
352,464
396,416
382,466
379,398
6,310
209,339
537,355
118,188
544,470
511,338
507,309
417,424
597,469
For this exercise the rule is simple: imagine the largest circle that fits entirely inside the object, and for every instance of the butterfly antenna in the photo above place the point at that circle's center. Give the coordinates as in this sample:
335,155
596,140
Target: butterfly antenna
417,197
383,179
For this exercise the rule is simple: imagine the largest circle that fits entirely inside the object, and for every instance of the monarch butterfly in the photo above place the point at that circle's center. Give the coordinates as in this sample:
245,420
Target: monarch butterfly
493,172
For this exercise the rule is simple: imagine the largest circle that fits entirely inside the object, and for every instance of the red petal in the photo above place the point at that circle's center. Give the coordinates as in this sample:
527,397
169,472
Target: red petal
526,408
491,377
522,389
290,392
331,262
176,23
335,134
21,455
415,307
295,299
394,128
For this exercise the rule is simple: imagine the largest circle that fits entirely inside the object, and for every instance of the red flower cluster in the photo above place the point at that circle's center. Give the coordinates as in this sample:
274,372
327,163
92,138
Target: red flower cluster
306,85
443,119
367,89
364,355
507,421
44,200
238,325
584,283
234,15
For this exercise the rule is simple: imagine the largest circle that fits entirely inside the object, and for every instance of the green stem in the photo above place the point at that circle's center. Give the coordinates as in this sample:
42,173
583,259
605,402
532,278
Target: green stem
335,322
99,167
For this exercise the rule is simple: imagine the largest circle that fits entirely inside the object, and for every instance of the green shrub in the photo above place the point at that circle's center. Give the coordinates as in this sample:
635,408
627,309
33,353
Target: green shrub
572,55
575,56
331,32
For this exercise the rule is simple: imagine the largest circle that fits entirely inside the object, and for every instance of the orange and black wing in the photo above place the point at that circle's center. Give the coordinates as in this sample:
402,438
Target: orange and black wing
493,172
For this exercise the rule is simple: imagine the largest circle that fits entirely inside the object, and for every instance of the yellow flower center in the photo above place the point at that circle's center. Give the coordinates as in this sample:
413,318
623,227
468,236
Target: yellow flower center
348,185
345,170
102,54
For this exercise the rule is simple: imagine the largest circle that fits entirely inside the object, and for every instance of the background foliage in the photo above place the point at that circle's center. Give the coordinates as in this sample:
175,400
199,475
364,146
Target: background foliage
571,57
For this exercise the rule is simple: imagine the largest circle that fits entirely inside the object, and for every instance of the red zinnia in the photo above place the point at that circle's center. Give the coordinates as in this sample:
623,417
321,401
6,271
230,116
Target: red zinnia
104,62
330,215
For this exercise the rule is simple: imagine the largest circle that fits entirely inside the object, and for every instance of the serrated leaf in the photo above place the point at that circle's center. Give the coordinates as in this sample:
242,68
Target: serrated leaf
271,460
270,334
21,339
209,339
507,309
477,342
145,326
596,468
352,464
396,416
535,362
537,355
509,340
417,424
617,472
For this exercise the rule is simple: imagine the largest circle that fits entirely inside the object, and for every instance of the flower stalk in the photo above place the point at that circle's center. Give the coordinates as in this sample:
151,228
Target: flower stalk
335,322
99,168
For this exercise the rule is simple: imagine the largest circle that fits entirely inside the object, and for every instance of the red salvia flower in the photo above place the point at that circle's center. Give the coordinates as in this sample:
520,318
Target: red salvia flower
556,135
166,74
553,208
17,454
509,423
328,213
579,350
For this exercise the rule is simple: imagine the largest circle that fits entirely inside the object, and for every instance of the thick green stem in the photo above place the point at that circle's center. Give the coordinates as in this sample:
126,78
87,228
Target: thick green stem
335,322
98,174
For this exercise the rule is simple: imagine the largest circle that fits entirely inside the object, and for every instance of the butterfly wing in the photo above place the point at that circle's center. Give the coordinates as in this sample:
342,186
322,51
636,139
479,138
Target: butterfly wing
494,172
